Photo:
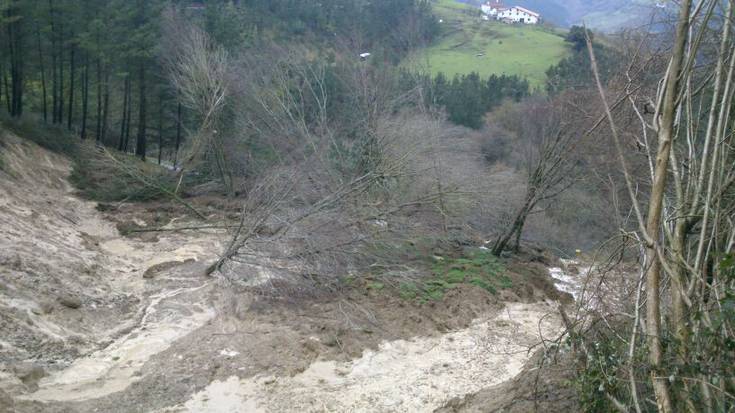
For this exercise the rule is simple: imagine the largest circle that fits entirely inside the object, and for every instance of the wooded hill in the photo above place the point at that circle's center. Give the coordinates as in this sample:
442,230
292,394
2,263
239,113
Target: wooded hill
95,67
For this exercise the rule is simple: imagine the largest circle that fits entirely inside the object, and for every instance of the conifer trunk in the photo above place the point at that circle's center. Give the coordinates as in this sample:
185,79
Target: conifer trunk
105,104
140,145
42,69
122,144
85,97
72,76
61,74
160,127
178,133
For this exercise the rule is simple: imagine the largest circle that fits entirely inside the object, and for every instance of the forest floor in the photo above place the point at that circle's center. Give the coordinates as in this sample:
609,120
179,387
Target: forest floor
94,321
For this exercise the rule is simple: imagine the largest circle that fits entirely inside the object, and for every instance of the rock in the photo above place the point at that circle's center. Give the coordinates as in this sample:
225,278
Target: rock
44,307
164,266
311,345
105,207
29,374
70,301
150,272
6,401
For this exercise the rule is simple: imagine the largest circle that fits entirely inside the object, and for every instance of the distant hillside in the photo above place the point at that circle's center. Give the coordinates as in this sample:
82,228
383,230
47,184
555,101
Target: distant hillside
604,15
468,44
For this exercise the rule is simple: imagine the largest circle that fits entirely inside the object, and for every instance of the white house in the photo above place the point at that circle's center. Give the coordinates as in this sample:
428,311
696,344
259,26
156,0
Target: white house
491,8
518,14
496,10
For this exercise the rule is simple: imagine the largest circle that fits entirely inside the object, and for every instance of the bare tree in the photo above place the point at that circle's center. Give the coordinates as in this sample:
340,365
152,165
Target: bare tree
346,175
198,69
685,222
547,141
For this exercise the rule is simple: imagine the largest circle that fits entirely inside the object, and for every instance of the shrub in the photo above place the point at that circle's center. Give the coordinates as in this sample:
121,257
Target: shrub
495,145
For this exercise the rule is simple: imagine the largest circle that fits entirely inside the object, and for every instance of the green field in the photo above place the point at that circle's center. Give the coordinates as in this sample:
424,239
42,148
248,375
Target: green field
469,44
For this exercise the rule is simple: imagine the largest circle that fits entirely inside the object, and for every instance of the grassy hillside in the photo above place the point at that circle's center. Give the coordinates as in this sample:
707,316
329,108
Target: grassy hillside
600,15
469,44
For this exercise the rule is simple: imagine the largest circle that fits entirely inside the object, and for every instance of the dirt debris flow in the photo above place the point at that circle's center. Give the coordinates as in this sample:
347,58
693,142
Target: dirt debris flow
403,376
113,368
120,318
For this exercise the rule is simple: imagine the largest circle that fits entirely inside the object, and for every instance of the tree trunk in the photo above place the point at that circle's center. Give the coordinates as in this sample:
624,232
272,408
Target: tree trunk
98,137
2,75
659,377
140,145
517,226
517,241
105,104
178,133
122,143
7,90
43,75
61,74
16,64
160,127
129,108
72,75
54,67
85,97
11,54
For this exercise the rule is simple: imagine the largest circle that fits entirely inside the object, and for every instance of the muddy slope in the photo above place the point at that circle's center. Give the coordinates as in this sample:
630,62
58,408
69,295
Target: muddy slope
93,321
72,286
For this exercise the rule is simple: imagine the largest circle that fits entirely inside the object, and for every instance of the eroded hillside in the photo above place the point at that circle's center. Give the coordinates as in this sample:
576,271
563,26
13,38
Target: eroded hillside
94,320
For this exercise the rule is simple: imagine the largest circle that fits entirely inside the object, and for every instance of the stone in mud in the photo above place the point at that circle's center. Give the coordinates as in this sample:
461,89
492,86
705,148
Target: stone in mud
44,307
164,266
29,374
6,402
70,301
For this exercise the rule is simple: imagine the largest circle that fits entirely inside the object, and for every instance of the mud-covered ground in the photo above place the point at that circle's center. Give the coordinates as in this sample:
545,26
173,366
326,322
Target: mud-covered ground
93,321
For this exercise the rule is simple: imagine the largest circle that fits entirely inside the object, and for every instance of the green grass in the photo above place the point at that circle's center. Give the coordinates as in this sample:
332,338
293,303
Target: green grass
478,267
527,51
445,268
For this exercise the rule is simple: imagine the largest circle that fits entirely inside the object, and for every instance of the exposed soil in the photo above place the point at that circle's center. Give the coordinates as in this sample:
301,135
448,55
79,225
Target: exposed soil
541,386
94,321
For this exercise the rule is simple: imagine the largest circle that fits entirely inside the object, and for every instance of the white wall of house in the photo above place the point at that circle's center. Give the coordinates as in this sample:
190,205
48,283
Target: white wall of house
518,15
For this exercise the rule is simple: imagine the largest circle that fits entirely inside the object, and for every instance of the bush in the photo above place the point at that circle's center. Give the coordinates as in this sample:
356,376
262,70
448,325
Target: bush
495,145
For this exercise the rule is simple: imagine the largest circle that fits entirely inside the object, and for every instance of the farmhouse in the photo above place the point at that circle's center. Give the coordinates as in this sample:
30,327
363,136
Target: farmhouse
492,7
516,14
